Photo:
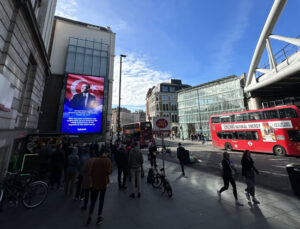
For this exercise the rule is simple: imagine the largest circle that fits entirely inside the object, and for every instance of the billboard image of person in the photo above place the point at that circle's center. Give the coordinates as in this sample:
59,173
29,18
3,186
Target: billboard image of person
83,104
83,100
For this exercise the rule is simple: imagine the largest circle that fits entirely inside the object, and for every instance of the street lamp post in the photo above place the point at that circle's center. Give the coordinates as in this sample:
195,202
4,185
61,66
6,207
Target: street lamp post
119,108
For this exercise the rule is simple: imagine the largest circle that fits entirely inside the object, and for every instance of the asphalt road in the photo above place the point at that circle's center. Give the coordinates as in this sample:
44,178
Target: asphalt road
273,174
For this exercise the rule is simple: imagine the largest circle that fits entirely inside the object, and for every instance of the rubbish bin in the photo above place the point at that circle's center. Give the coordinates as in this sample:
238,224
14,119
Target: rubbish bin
293,171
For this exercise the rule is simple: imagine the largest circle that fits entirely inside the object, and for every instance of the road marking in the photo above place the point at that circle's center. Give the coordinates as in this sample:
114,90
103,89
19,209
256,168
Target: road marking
277,174
279,166
277,159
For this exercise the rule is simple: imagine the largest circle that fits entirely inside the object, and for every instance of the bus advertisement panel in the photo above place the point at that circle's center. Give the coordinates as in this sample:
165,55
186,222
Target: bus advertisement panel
82,111
270,130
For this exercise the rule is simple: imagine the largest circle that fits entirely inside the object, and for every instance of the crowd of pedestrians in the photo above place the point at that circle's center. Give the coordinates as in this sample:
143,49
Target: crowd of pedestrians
83,169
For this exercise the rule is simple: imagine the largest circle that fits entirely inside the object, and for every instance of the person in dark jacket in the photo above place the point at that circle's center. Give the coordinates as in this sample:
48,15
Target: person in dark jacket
180,156
153,152
57,166
227,177
121,158
248,171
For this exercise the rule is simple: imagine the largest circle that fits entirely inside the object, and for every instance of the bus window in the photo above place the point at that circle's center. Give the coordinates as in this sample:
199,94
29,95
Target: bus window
232,117
215,119
294,135
287,113
219,134
254,116
242,135
241,117
271,114
225,119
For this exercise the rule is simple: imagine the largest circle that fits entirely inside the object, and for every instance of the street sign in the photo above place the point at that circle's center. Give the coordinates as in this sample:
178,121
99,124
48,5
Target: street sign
161,125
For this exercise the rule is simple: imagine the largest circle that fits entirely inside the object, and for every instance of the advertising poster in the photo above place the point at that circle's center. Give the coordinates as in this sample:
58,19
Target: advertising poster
83,104
267,132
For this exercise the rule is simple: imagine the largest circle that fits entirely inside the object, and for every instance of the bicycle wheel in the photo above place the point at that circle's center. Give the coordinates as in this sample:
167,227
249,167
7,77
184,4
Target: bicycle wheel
157,182
35,195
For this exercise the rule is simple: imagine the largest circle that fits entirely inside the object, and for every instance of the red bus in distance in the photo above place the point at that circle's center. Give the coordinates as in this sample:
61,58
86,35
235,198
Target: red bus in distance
271,130
140,131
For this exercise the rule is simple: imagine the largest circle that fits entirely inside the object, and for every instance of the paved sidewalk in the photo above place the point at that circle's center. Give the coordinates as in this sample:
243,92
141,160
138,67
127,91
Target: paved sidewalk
194,205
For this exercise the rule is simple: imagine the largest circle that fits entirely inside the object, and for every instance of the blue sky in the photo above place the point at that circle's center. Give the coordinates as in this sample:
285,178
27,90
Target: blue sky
194,40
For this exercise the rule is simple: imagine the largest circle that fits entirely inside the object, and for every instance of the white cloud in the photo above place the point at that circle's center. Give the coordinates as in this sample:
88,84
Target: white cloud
137,78
67,8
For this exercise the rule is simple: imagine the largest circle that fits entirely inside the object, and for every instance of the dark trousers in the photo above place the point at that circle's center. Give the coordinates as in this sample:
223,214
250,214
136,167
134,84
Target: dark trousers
94,195
79,191
250,181
153,160
182,166
55,177
86,196
226,185
124,171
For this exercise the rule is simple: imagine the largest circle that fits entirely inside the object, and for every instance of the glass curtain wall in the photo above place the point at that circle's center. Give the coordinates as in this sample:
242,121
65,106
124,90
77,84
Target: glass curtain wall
197,104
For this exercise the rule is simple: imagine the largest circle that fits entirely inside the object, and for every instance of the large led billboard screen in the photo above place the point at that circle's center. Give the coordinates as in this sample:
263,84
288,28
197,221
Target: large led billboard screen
83,104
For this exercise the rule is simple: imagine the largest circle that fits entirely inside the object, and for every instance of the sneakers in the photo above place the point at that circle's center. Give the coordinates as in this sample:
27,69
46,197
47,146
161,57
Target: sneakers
132,195
99,220
238,203
255,201
247,196
219,194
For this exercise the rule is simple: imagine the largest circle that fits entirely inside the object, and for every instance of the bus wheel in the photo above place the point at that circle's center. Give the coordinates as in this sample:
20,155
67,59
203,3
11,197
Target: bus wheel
279,151
228,146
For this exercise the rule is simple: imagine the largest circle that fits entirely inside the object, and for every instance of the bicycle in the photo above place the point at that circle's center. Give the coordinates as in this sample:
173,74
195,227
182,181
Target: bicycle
160,181
18,187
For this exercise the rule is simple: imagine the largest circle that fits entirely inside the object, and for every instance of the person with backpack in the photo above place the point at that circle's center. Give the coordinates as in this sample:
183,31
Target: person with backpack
248,171
121,158
228,177
135,162
181,157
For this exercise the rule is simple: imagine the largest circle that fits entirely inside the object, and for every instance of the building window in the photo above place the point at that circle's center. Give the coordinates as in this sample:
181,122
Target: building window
172,89
157,107
156,98
165,98
167,107
164,89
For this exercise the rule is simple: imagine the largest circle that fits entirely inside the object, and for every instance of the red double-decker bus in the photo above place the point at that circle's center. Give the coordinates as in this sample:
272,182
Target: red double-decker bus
140,131
271,130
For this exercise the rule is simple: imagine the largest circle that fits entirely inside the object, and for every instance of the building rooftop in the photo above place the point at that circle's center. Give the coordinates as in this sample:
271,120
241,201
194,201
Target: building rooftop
95,27
218,81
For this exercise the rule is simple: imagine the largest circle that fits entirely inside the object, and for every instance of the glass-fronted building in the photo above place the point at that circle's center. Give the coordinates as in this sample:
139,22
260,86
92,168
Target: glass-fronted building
197,104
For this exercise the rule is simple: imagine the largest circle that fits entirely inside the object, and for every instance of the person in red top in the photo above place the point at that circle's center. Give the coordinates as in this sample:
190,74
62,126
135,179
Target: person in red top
101,169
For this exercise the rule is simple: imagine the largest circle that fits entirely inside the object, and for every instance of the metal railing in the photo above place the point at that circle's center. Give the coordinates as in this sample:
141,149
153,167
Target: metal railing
280,56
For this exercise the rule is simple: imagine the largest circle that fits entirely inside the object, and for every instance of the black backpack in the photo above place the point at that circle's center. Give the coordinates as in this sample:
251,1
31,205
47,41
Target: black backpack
150,177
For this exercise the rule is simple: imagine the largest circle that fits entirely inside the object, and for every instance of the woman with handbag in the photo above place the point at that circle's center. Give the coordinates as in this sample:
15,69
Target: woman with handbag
228,177
248,171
